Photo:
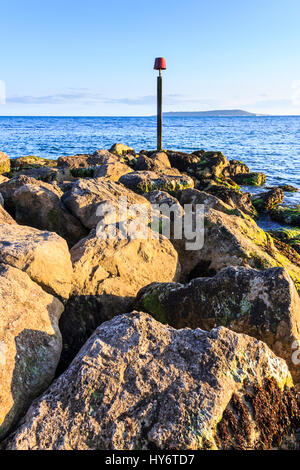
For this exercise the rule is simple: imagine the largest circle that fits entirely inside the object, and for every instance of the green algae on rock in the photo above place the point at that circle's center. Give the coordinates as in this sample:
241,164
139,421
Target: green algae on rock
4,163
250,179
263,304
172,398
288,215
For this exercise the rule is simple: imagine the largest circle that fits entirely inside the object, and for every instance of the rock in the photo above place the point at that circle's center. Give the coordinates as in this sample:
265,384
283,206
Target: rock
235,167
4,163
289,215
84,165
40,207
267,201
288,188
146,181
263,304
182,161
30,343
163,198
44,256
121,150
5,218
120,267
175,396
156,162
235,198
86,196
31,161
290,236
209,184
9,187
46,174
107,276
250,179
231,240
196,197
211,165
112,171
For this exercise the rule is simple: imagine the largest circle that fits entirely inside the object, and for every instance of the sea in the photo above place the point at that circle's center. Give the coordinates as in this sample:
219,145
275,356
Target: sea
270,144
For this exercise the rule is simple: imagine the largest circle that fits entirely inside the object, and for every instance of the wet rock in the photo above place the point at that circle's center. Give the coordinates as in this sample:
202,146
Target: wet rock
44,256
264,202
235,167
263,304
146,181
288,215
137,384
290,236
250,179
40,207
288,188
4,163
30,343
86,196
211,165
182,161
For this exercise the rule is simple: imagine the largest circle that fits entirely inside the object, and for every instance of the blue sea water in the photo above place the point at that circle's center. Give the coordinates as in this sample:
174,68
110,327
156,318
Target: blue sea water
270,144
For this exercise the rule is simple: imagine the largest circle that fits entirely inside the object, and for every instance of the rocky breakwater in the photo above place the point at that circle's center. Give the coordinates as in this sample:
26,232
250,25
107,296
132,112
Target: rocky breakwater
209,356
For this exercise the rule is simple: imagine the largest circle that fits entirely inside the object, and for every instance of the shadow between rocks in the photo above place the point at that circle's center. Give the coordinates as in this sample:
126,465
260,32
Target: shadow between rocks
82,315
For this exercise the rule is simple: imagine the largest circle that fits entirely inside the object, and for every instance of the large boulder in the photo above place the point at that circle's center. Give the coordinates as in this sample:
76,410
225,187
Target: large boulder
31,161
4,163
121,150
8,188
85,196
267,201
156,162
231,240
211,165
250,179
290,236
235,167
30,343
107,276
137,384
84,165
288,215
235,198
40,206
146,181
263,304
112,171
183,161
44,256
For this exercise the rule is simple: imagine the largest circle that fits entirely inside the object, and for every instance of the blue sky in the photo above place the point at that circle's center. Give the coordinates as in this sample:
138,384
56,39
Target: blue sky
96,57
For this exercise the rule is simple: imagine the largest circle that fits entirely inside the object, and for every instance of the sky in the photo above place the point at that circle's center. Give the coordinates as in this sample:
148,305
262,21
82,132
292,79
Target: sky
95,58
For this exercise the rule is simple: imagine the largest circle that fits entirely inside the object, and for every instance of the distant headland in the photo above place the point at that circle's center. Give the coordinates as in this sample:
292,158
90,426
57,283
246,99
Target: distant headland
221,112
